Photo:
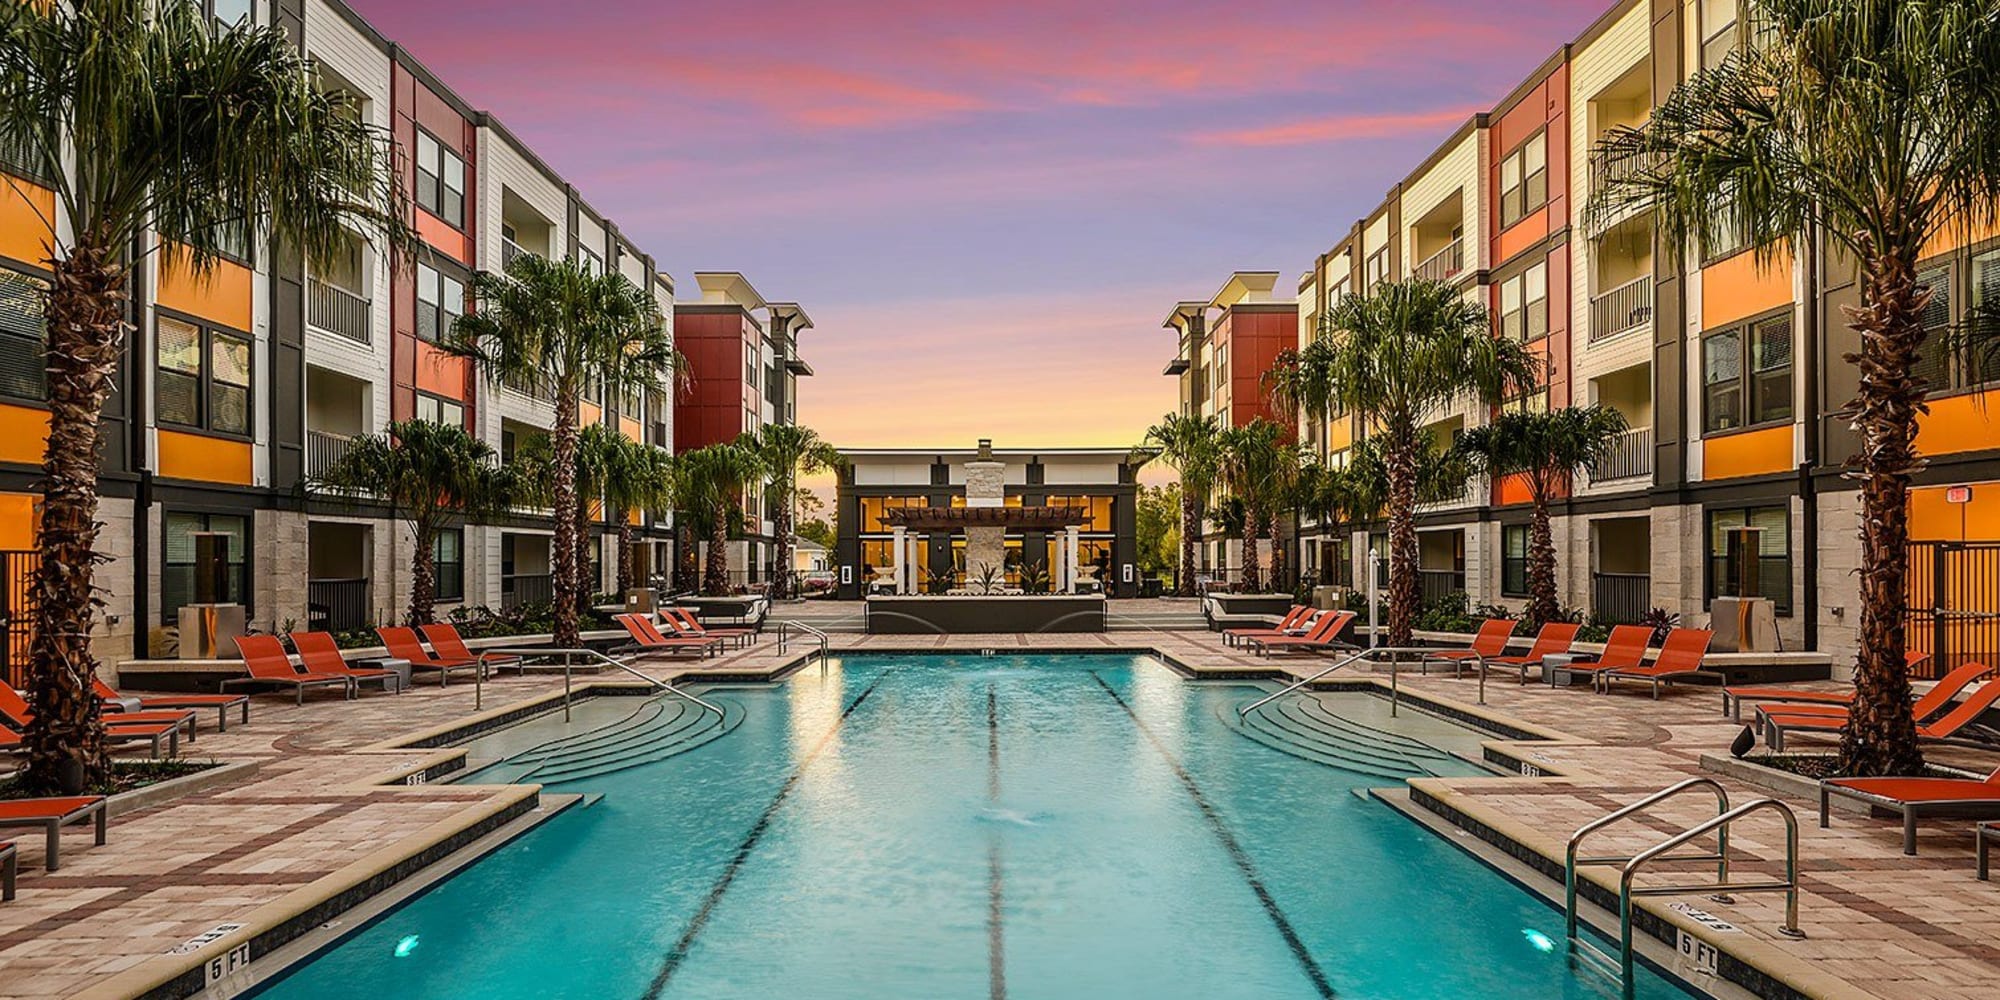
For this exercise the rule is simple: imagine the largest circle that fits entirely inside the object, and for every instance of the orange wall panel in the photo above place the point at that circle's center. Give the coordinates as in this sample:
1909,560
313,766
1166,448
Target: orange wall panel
1752,453
441,236
23,206
1934,520
24,434
1737,287
631,429
439,373
17,521
1513,489
1526,232
220,296
207,459
1967,422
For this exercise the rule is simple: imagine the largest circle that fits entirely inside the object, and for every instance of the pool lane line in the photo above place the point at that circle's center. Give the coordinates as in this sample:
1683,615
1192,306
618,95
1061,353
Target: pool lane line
1244,865
699,922
996,931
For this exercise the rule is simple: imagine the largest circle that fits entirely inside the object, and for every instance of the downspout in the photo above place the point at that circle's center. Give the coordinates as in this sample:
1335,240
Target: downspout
1808,490
137,383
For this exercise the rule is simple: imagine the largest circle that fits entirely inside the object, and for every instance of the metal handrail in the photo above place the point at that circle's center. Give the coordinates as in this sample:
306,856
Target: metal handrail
1245,711
1789,885
568,655
1571,861
1395,689
785,638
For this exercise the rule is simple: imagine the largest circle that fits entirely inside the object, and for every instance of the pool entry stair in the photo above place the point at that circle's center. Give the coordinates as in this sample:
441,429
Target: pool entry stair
658,729
1305,727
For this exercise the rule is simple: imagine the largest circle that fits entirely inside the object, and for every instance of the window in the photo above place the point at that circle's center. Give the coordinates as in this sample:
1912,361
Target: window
438,410
1097,509
1981,365
1524,305
177,571
1747,375
1514,560
23,335
203,378
440,180
592,263
1934,360
874,511
1774,552
448,562
440,301
1524,179
1378,267
1536,401
230,13
1718,31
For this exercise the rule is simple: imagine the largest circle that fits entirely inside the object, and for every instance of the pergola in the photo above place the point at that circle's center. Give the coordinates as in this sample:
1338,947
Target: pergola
992,519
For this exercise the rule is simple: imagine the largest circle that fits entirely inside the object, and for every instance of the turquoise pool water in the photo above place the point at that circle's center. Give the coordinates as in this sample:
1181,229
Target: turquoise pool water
1036,827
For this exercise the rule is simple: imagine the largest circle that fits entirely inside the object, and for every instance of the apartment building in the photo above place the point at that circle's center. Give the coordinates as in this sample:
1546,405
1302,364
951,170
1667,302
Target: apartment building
1729,371
743,353
1225,345
242,383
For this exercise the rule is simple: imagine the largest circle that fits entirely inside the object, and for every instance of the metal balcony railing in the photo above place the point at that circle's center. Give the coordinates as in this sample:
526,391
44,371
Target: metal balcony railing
1620,598
1631,458
337,310
337,605
1437,584
323,449
1621,310
1445,264
517,591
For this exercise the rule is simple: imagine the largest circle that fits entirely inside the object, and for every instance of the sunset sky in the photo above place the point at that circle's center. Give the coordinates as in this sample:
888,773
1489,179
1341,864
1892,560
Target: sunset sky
987,208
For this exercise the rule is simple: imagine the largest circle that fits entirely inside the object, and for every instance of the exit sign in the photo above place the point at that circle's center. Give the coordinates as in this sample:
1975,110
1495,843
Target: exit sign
1958,494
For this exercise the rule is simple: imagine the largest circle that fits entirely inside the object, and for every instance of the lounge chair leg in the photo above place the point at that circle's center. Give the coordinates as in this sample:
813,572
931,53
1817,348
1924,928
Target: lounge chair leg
1985,848
1909,831
1824,803
52,854
103,816
12,869
299,694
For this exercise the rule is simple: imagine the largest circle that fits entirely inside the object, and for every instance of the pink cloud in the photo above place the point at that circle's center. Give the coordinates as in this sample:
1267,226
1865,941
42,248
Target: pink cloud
1335,128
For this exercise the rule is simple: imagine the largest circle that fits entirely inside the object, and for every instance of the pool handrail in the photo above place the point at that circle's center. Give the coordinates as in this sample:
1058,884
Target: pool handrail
785,638
1789,885
1571,860
1395,660
569,655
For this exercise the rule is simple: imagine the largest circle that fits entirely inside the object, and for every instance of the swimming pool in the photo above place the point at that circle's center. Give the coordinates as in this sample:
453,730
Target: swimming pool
940,826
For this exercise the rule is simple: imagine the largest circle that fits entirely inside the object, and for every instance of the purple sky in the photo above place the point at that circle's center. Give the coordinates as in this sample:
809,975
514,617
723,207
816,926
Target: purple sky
987,208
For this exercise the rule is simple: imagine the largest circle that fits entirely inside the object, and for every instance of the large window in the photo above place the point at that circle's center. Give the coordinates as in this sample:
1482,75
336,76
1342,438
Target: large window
440,302
230,13
1524,304
1378,267
439,410
1946,361
1514,560
440,180
874,510
23,335
1524,179
1774,552
178,548
203,378
1747,375
1099,509
448,560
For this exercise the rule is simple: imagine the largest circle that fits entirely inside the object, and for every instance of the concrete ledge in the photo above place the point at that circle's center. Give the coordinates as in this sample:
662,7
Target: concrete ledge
187,784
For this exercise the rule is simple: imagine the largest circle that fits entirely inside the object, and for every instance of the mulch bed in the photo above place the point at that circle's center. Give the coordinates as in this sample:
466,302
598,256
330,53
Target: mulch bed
1819,766
126,776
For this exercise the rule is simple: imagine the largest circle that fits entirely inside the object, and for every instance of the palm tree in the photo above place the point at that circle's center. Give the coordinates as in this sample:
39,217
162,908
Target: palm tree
558,325
1546,450
1255,458
712,483
635,476
155,129
433,475
788,450
1397,358
1873,125
1192,445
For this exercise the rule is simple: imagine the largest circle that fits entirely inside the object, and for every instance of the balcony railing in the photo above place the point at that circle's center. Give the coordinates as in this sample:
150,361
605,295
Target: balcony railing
1620,598
1437,584
337,605
323,449
1631,458
337,310
1605,169
1621,310
1445,264
510,250
518,591
529,386
1457,495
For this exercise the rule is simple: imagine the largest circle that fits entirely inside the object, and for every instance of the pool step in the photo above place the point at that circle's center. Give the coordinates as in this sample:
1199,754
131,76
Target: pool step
1304,727
660,728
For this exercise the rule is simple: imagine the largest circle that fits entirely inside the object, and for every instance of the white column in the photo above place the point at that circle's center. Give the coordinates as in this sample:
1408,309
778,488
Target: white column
896,551
1070,555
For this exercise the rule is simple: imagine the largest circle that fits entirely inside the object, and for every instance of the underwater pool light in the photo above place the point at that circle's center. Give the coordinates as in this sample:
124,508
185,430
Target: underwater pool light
406,946
1541,941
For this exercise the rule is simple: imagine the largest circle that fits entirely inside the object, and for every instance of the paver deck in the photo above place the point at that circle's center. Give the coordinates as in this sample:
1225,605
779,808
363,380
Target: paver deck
328,802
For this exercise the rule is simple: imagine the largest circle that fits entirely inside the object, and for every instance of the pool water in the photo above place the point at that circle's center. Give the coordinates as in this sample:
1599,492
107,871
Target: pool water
938,826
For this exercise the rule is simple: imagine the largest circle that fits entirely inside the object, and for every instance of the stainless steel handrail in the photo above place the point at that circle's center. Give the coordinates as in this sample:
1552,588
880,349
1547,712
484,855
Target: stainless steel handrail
785,638
1789,885
1245,711
568,657
1395,689
1571,861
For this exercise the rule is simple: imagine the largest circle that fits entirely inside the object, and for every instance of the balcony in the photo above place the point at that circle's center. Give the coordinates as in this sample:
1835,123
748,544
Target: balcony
1631,458
323,450
337,310
525,590
337,605
1620,598
1438,584
510,250
1445,264
1623,309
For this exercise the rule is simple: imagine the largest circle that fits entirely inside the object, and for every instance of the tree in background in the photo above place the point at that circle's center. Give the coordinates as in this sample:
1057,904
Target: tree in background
786,451
1193,446
1159,528
433,476
1258,462
1872,125
1546,450
635,478
157,130
818,530
711,484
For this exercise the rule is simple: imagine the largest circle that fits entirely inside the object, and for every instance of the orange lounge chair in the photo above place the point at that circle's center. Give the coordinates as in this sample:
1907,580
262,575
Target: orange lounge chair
10,868
1554,638
1491,641
136,727
1937,699
1734,697
1294,623
403,644
1323,636
647,638
52,815
1680,657
444,637
1950,727
111,700
684,623
320,654
1914,798
1626,647
264,656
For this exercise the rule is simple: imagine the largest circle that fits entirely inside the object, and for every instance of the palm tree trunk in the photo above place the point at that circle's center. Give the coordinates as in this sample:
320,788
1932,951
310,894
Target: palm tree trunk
781,524
86,330
423,576
625,567
1190,526
562,498
1881,736
586,581
1272,525
1253,532
1405,592
715,581
1543,607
